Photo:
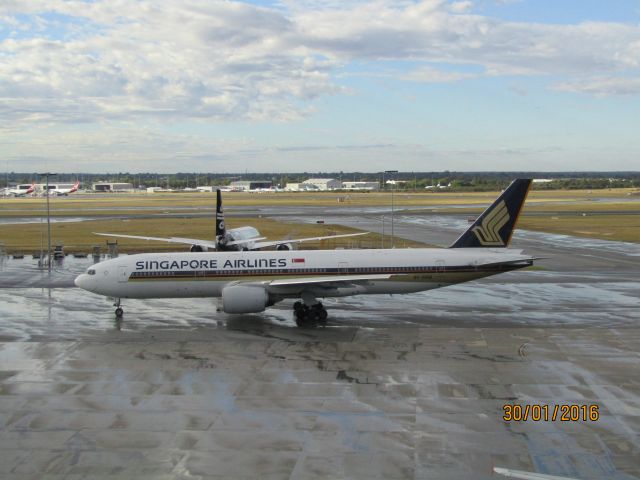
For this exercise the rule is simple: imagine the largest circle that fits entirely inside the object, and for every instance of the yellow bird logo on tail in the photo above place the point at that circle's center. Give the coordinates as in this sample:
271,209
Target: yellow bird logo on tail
489,232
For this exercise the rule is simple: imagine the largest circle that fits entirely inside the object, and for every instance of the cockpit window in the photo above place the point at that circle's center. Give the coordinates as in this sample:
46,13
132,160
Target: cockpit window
91,271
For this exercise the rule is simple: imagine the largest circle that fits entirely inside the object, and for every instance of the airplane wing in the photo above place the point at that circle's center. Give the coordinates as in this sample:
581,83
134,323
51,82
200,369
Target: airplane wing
330,280
187,241
322,285
272,243
254,241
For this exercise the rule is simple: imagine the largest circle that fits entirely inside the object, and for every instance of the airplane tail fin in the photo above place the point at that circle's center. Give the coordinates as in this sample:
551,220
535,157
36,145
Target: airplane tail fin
495,226
220,227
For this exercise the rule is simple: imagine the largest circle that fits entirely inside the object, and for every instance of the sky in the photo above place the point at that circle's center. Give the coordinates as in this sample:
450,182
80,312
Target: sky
319,86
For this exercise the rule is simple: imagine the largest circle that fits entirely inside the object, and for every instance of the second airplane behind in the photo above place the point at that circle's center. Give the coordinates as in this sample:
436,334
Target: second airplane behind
239,239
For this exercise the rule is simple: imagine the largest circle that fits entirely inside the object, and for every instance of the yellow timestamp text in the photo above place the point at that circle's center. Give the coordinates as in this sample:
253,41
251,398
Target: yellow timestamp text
550,413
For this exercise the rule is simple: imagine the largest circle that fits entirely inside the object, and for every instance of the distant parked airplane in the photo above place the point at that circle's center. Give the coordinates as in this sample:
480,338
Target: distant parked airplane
63,189
20,190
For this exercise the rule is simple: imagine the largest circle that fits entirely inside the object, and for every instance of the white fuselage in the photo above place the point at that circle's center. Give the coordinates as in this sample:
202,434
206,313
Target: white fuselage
20,190
63,189
285,274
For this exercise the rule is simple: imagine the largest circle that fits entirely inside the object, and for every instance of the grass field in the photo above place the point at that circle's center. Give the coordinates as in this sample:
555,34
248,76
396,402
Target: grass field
79,237
624,228
606,221
606,214
98,204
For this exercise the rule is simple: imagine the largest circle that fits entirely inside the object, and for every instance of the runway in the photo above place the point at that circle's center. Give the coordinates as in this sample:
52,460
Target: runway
410,386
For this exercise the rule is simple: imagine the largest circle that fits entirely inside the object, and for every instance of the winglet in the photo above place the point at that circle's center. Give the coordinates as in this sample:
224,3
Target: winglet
495,226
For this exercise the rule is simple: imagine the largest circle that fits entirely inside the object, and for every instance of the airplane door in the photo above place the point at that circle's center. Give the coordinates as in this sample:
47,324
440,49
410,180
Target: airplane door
343,267
440,266
122,274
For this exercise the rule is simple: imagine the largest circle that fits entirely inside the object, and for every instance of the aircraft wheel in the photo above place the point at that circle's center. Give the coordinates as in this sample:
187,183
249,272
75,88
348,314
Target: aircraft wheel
305,317
322,315
304,322
119,312
299,314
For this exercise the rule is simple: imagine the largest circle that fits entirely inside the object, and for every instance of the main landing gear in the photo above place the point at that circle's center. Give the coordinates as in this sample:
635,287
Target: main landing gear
310,316
119,310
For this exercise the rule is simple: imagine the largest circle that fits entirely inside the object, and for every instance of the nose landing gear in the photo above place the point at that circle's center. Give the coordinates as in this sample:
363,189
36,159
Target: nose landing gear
310,316
119,311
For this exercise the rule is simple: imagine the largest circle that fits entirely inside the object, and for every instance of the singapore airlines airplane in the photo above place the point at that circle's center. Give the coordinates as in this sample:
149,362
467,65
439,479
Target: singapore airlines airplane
249,282
234,239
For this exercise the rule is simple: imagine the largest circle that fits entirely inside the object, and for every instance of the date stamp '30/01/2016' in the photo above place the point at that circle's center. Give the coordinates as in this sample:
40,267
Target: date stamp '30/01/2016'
550,413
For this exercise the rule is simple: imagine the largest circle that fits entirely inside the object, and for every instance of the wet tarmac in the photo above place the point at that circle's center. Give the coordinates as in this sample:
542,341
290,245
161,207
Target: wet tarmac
409,386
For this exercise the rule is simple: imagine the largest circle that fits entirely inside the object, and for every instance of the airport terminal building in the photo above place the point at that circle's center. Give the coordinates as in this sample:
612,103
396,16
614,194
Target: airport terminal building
246,185
361,186
321,184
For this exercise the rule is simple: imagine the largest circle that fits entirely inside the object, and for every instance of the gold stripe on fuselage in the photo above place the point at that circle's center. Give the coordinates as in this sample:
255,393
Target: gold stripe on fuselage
440,277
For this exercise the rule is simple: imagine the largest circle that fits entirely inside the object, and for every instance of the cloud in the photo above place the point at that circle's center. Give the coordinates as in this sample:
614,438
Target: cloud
461,6
219,61
433,75
64,62
602,86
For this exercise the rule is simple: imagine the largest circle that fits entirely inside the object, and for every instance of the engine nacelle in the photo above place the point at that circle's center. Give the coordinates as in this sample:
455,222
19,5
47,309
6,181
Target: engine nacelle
285,246
198,248
244,299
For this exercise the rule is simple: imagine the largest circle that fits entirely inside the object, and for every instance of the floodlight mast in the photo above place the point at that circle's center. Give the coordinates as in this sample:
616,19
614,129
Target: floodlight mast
47,175
391,172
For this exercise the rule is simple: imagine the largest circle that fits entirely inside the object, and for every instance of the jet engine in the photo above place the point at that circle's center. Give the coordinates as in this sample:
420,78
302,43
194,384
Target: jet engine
198,248
244,299
285,246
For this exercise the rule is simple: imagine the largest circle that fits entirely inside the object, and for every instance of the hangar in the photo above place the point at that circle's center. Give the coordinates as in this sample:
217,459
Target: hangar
112,187
321,184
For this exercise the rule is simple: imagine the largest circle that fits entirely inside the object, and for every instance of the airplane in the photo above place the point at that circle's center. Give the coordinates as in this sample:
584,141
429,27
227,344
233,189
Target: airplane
235,239
250,281
20,190
64,191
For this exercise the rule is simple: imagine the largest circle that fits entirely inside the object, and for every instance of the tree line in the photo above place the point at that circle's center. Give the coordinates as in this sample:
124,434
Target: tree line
457,181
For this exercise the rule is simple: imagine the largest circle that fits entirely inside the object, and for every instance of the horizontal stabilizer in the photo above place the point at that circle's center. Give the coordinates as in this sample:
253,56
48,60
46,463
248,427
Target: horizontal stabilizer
520,262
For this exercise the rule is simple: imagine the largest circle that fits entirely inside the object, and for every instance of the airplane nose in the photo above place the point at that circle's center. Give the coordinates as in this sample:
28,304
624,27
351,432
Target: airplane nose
81,281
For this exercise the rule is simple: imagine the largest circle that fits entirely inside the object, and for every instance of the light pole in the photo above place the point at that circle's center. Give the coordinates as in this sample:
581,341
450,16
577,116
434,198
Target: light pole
47,175
392,189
